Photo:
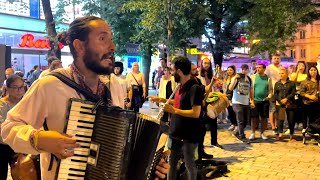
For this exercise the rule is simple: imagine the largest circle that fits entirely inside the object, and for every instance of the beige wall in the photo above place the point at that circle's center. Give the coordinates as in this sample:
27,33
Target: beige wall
311,43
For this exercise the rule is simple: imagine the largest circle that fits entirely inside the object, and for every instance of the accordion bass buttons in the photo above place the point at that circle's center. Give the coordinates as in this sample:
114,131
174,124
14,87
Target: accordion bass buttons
94,153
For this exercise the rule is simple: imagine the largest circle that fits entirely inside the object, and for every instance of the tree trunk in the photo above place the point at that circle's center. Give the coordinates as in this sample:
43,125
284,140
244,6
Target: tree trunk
146,62
51,30
218,58
169,28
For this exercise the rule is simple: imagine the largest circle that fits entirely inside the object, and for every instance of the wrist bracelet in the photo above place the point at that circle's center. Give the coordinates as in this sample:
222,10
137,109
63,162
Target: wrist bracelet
34,139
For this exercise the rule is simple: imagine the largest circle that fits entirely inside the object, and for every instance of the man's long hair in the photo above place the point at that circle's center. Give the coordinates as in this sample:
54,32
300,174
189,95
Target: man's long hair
209,73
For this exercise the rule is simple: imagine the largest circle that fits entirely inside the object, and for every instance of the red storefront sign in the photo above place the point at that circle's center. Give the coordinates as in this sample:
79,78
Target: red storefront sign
28,41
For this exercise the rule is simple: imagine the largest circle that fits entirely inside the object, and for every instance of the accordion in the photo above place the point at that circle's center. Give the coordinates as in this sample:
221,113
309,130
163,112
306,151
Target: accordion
115,144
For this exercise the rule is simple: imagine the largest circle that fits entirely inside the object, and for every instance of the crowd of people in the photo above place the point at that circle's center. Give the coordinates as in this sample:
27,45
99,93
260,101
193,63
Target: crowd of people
255,94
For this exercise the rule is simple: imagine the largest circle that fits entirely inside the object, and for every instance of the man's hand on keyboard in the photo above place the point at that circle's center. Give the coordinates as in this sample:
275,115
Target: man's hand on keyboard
163,167
60,145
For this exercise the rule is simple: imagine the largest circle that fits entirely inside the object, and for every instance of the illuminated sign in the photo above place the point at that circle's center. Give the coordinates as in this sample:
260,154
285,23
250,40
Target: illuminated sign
193,51
28,41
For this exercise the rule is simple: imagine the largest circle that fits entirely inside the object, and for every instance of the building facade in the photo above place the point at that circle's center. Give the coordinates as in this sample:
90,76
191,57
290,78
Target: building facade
306,43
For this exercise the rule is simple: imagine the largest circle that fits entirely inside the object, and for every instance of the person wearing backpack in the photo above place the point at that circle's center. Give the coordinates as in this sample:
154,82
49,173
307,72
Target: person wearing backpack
241,85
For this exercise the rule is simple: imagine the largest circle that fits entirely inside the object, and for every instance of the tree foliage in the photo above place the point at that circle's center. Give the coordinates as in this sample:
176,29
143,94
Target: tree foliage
274,22
224,25
169,22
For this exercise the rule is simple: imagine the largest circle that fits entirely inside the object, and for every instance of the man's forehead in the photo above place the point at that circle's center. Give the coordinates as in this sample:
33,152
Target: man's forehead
100,26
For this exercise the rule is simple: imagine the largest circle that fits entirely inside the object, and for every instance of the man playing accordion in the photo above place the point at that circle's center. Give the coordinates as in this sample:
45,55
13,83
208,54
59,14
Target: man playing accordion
91,45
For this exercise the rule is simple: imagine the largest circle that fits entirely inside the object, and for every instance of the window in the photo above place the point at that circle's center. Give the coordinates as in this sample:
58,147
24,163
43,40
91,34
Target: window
293,53
303,53
302,34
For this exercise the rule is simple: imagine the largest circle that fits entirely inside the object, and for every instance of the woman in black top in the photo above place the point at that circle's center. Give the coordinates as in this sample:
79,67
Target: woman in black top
284,92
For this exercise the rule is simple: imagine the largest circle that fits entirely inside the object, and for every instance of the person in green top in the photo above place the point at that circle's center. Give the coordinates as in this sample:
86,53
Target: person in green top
262,91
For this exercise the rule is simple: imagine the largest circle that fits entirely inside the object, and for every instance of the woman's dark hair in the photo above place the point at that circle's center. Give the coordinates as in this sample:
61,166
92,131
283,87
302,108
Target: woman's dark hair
120,65
210,71
12,78
305,66
308,74
78,29
233,68
182,63
167,68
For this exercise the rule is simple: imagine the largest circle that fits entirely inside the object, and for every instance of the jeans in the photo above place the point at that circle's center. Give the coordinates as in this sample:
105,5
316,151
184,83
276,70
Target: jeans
6,154
280,119
135,101
243,117
300,115
311,112
232,116
188,150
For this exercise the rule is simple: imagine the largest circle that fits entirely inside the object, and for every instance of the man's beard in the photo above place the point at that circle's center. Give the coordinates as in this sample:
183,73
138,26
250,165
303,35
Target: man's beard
94,65
195,75
176,78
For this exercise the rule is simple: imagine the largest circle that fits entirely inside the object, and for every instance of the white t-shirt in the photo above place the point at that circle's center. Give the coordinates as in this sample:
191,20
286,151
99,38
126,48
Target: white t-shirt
273,73
135,79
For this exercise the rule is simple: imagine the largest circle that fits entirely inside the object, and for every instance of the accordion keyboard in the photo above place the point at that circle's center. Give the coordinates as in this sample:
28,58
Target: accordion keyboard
80,125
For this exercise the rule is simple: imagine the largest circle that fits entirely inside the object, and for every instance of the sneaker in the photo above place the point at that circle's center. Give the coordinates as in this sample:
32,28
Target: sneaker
275,131
231,128
219,121
217,146
292,139
236,130
224,121
287,132
242,139
252,136
245,140
279,137
264,137
205,156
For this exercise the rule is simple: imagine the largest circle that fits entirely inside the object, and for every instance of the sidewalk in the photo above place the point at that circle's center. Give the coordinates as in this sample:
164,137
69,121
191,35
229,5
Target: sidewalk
263,159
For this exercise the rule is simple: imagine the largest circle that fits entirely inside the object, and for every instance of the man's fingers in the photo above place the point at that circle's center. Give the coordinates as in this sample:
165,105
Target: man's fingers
160,175
69,140
71,146
166,153
164,164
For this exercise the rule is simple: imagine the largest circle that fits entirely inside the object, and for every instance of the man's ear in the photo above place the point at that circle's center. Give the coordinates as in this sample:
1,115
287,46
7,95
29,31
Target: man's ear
79,47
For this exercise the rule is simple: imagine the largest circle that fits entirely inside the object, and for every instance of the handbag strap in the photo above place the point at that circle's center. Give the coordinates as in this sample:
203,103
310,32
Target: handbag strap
135,79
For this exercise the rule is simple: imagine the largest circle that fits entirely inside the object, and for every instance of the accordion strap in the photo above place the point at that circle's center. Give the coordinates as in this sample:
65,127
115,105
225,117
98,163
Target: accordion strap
88,95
